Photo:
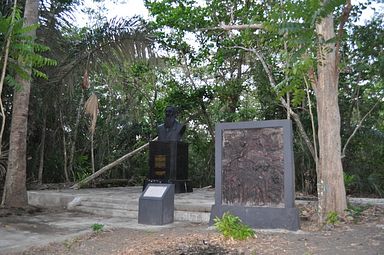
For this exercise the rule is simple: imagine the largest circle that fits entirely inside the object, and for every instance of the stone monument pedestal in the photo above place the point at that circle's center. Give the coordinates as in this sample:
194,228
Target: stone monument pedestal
168,163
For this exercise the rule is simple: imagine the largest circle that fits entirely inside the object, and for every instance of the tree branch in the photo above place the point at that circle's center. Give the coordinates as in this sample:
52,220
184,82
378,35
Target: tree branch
357,128
313,125
294,115
234,27
211,129
312,78
344,17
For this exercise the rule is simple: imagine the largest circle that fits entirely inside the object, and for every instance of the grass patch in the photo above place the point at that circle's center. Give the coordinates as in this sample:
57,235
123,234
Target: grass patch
97,227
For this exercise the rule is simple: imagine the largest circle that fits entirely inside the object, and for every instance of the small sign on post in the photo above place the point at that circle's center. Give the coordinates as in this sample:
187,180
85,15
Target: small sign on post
157,204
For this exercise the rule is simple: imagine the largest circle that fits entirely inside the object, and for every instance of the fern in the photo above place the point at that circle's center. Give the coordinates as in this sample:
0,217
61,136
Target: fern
324,10
23,52
39,74
40,48
26,29
18,69
12,82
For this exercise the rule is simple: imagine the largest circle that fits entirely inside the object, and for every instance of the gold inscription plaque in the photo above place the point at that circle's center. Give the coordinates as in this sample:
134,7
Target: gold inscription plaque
160,162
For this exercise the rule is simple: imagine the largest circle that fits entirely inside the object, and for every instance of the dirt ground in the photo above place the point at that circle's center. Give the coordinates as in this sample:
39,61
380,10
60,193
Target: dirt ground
362,232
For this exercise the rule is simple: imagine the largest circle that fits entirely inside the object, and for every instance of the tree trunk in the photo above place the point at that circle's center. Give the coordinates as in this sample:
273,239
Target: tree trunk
43,133
331,190
92,153
4,59
109,166
64,148
15,190
74,137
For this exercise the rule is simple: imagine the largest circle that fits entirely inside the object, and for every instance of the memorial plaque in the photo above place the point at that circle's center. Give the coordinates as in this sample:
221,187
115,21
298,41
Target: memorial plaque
160,165
254,173
155,191
253,167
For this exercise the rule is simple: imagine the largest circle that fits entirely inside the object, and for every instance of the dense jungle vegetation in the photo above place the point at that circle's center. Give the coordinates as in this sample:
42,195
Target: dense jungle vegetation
124,72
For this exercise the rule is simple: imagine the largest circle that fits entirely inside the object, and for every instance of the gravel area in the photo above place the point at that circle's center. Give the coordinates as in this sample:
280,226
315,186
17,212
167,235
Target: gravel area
361,234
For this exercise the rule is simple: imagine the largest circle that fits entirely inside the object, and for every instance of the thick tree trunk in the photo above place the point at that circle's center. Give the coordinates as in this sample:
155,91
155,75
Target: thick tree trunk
15,191
331,190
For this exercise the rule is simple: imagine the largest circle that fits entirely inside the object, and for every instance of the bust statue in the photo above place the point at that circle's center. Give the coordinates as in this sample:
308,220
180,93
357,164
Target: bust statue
171,130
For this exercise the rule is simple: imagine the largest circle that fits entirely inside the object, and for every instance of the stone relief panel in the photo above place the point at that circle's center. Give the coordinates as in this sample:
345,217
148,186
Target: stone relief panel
253,167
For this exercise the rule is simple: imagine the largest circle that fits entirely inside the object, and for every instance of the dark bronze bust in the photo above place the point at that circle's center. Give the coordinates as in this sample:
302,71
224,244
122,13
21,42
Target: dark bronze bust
171,130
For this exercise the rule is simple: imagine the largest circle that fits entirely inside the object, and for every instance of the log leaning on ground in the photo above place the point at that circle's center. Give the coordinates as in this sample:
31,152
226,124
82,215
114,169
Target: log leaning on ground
109,166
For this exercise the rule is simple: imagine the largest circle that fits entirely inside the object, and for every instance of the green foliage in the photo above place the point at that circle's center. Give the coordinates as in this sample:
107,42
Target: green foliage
81,175
24,52
327,8
356,211
82,168
232,226
97,227
332,218
376,181
349,181
209,80
364,165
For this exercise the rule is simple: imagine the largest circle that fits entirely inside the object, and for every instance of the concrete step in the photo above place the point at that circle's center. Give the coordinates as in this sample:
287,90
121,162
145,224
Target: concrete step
134,204
111,205
191,206
106,211
196,217
118,208
109,199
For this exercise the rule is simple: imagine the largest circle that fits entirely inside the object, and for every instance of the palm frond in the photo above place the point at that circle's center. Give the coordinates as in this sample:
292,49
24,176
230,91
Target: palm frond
91,107
116,42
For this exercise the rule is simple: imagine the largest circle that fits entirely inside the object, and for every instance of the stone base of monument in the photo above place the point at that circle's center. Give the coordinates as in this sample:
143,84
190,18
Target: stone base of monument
168,163
260,217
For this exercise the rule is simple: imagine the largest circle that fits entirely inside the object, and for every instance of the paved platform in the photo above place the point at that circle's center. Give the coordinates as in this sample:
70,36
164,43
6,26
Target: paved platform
123,202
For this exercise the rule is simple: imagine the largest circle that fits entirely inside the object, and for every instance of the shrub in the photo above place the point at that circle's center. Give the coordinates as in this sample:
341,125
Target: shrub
232,226
332,218
356,211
